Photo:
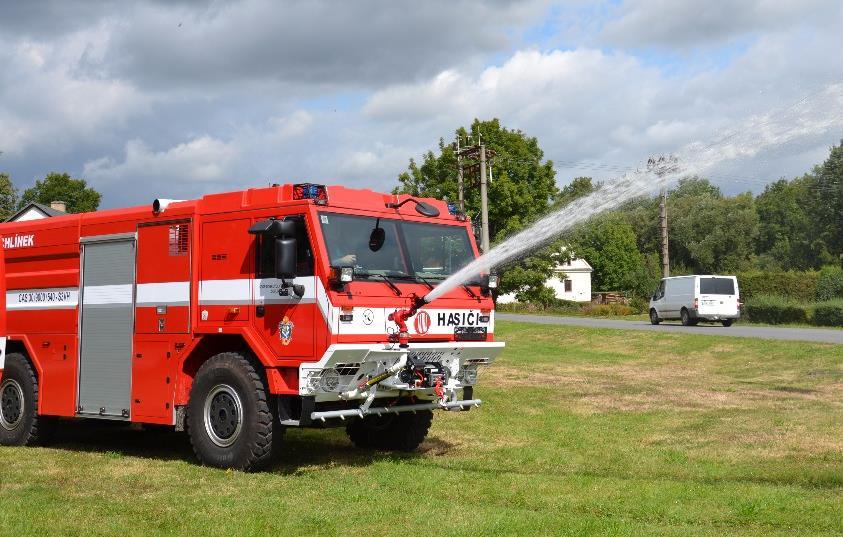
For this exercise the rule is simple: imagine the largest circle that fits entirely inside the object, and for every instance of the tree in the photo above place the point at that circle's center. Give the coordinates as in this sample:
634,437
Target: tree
825,205
76,193
8,196
710,234
608,243
522,188
787,238
578,188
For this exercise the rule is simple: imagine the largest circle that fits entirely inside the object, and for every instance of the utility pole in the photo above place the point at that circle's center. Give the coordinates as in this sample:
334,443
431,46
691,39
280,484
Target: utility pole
484,202
476,170
460,191
662,166
663,225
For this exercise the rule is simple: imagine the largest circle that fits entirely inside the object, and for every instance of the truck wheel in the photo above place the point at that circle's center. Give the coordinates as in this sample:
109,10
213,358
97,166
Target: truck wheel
686,318
20,424
654,317
395,432
727,322
229,419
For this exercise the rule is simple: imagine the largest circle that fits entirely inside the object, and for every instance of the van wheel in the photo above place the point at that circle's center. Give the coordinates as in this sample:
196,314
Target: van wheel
727,322
20,424
229,419
686,318
654,317
396,432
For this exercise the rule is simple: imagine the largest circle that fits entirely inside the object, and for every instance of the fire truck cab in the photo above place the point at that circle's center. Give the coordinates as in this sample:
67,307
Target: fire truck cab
240,314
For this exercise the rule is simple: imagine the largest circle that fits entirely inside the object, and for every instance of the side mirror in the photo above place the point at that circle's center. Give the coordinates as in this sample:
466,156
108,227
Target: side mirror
285,257
376,239
274,228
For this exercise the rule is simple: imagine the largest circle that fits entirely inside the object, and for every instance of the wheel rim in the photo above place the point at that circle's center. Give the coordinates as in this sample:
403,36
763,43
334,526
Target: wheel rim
223,415
684,316
12,404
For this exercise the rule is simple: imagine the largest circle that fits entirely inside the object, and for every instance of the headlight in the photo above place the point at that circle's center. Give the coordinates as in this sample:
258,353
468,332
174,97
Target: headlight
329,380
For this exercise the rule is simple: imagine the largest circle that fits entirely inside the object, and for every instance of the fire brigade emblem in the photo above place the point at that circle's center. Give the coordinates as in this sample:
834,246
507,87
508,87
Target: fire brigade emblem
285,330
422,322
368,317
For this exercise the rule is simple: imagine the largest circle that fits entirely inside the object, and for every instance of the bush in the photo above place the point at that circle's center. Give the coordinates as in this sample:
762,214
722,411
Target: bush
795,285
830,283
607,310
775,310
829,313
639,305
559,307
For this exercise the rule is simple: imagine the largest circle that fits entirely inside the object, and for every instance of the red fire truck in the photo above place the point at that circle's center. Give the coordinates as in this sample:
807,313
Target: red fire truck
240,314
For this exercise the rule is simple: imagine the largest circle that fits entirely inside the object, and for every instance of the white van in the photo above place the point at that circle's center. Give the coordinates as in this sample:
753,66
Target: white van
696,298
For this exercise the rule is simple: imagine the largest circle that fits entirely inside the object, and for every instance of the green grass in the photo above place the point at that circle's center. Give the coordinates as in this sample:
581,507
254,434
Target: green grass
583,431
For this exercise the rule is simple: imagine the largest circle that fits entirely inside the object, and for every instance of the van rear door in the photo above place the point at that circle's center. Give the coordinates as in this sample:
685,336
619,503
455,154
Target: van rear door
718,295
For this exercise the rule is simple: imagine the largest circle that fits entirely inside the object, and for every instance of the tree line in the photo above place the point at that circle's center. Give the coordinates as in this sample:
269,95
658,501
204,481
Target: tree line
794,224
76,194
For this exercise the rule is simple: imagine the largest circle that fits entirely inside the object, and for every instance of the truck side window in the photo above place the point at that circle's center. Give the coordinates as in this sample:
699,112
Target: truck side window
266,252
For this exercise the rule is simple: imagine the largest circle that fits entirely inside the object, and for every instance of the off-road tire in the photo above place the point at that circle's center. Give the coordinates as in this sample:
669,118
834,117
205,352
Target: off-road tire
22,426
654,317
727,322
394,432
259,435
686,318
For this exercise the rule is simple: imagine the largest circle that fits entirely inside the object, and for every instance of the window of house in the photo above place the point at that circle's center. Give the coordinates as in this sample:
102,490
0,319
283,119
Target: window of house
569,285
304,253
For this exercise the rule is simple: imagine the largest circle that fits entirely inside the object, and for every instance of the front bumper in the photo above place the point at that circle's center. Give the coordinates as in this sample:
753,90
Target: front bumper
344,366
379,411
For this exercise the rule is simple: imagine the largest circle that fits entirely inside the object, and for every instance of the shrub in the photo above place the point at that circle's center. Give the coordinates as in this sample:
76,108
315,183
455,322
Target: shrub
795,285
639,305
560,307
607,310
830,283
829,313
775,310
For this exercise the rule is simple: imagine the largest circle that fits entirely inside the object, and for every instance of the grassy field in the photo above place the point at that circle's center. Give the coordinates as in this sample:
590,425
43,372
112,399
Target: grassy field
584,431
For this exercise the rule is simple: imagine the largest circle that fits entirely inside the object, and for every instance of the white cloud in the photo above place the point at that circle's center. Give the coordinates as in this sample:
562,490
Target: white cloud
204,159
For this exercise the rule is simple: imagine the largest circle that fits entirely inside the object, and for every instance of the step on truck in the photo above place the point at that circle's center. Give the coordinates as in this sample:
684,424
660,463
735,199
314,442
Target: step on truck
235,316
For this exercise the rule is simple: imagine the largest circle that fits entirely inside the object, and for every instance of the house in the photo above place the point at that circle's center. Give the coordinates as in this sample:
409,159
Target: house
570,279
36,211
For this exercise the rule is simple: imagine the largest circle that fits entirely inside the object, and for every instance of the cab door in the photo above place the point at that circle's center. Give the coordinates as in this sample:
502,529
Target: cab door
287,321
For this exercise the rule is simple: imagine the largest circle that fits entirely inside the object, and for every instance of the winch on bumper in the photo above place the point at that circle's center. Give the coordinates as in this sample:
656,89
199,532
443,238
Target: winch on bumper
433,374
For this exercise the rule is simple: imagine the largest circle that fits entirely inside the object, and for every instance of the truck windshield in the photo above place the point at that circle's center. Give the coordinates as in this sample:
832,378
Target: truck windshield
717,286
410,250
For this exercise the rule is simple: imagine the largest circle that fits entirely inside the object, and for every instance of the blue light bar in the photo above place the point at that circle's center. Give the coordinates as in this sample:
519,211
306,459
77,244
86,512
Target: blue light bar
310,191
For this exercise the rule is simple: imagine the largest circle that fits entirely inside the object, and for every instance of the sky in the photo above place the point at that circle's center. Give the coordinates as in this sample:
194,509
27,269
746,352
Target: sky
177,99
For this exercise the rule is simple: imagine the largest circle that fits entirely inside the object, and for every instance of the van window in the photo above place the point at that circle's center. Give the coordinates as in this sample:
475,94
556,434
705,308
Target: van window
717,286
659,294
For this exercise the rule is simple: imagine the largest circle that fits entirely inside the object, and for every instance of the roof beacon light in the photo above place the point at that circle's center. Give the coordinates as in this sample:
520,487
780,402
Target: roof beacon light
310,191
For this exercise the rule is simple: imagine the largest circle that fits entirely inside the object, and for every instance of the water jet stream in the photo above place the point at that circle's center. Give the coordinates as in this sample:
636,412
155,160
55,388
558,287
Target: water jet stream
809,119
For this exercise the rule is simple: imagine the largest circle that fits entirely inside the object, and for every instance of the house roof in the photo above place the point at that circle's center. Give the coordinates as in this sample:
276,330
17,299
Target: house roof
43,209
577,264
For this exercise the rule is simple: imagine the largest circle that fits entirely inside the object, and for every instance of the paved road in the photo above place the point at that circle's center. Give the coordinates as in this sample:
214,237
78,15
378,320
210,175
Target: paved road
736,330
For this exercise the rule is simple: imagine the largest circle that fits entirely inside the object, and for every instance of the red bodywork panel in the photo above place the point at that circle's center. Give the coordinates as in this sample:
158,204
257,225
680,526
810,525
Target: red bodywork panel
196,293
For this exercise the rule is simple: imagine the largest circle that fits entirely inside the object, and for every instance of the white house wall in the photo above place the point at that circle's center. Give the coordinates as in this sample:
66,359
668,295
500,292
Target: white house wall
580,288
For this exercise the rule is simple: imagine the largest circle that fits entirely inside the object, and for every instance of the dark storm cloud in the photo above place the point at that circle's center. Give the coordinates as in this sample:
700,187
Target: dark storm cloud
690,23
365,43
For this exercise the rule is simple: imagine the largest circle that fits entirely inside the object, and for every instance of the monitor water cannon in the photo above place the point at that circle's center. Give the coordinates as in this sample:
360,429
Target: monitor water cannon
399,317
